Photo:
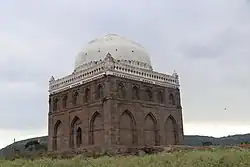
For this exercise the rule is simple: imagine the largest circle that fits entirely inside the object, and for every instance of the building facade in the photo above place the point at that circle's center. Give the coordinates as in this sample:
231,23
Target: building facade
114,98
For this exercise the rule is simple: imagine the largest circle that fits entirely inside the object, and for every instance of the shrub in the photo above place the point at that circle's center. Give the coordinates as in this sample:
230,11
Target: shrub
207,143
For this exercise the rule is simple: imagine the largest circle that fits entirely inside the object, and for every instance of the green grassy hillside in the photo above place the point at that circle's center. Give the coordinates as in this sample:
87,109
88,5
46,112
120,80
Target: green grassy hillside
193,140
190,140
213,157
20,145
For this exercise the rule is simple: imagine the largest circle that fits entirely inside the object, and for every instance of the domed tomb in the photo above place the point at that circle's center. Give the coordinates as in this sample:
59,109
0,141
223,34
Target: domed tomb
119,47
113,78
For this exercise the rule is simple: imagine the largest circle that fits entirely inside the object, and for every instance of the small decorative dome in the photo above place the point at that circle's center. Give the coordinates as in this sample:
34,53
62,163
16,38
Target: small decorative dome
52,79
119,47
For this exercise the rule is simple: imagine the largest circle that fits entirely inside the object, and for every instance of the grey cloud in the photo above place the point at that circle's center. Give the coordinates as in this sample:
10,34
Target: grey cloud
202,51
40,39
230,39
24,105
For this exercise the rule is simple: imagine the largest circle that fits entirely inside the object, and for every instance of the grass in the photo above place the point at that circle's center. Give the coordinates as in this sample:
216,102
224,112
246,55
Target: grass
216,157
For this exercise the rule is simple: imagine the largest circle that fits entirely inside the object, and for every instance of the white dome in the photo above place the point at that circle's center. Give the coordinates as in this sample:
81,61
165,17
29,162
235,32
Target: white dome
119,47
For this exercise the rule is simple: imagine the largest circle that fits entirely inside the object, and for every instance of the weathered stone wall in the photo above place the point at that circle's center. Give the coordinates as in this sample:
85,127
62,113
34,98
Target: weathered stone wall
114,114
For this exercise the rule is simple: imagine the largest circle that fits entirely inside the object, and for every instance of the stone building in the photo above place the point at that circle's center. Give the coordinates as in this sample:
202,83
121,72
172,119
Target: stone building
114,98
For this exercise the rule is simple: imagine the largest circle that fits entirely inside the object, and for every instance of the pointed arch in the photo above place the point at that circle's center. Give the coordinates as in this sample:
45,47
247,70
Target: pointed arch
160,97
64,101
75,98
74,126
55,104
171,133
121,90
171,99
96,129
78,137
57,124
99,91
87,94
149,94
75,121
135,93
57,135
150,130
127,129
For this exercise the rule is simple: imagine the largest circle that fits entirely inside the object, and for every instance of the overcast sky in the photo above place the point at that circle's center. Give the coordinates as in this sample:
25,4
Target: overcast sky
206,42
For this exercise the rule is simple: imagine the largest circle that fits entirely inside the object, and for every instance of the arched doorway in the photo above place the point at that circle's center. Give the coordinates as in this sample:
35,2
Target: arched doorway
57,136
171,134
127,129
78,137
76,133
150,130
96,129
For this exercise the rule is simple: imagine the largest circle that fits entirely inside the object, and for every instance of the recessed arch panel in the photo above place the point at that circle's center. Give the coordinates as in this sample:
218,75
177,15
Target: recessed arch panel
127,128
74,126
171,131
96,129
57,136
150,130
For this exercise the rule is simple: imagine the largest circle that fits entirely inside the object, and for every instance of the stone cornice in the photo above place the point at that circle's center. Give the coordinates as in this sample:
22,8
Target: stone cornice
110,66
